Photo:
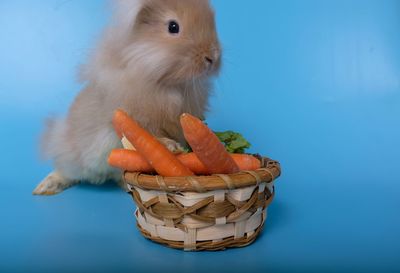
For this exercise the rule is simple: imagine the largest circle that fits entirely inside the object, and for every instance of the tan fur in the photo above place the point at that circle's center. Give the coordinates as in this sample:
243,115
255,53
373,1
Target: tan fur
139,67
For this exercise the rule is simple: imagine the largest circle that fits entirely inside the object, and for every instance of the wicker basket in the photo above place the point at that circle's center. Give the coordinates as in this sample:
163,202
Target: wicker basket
203,212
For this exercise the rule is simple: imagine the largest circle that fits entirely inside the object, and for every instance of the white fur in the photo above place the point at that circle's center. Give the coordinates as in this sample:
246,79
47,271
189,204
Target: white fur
121,73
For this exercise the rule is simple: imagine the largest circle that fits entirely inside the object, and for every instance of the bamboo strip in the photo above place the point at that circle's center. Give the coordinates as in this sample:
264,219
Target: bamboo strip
203,212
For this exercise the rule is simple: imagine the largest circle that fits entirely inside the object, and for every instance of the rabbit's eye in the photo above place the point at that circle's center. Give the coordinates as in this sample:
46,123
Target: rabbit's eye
173,27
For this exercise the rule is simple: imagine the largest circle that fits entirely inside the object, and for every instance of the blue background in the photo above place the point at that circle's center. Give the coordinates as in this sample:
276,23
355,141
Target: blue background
314,84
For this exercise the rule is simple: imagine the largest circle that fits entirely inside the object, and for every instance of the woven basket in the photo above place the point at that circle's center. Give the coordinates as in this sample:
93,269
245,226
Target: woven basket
203,212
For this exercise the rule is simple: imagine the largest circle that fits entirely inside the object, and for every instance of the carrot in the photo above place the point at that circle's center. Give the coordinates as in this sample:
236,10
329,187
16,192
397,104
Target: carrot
207,146
191,161
159,157
244,162
129,160
133,161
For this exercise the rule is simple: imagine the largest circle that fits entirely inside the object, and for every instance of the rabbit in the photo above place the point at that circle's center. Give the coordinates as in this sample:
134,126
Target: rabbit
156,60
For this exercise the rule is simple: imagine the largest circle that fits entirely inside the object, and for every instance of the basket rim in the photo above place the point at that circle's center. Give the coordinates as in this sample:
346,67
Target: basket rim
269,171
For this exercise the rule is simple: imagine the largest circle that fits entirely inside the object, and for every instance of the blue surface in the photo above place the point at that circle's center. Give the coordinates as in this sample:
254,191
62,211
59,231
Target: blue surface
314,84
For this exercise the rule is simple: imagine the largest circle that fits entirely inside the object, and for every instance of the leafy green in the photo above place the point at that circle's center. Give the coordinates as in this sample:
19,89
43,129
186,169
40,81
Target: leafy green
187,149
234,142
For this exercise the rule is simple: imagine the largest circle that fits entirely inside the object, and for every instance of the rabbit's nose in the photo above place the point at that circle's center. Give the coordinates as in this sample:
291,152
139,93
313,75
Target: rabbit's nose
208,60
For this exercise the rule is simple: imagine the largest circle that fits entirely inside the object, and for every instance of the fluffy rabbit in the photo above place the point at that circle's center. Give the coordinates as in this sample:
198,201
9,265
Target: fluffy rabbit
155,61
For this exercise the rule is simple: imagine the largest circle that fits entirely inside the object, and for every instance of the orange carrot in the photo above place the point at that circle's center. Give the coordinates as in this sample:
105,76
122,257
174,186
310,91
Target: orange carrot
207,146
245,162
133,161
191,161
162,160
129,160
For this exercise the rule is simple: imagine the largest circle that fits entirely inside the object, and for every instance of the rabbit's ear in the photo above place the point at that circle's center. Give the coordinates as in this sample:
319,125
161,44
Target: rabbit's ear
125,11
145,13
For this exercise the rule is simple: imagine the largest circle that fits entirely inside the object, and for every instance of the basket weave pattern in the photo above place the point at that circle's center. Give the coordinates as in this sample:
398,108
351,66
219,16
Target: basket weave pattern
204,212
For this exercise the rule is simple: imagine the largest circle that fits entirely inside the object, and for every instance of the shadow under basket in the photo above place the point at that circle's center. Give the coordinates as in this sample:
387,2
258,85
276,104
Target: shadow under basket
203,212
